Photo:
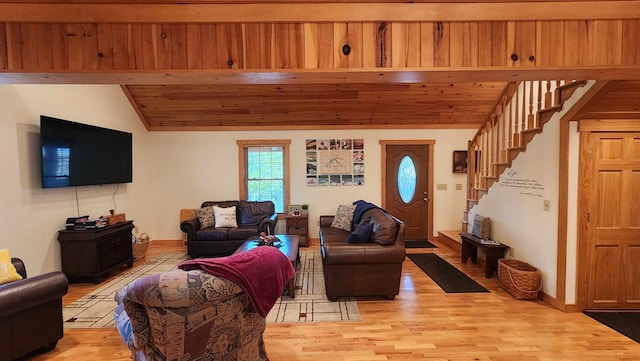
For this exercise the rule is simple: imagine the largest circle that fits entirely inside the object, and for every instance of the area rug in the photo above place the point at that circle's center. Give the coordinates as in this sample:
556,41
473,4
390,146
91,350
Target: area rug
625,322
448,277
95,310
418,243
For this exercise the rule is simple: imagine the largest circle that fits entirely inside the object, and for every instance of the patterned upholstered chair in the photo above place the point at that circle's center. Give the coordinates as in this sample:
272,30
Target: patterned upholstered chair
189,315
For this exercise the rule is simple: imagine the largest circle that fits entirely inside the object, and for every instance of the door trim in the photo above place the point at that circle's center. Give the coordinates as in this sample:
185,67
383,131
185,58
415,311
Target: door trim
430,144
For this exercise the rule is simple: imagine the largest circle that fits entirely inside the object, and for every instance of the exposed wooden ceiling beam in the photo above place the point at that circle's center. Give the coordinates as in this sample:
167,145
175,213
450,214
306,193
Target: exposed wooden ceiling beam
321,76
315,12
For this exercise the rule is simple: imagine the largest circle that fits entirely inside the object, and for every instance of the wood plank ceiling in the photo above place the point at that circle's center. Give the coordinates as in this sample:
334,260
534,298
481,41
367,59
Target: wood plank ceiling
306,106
617,100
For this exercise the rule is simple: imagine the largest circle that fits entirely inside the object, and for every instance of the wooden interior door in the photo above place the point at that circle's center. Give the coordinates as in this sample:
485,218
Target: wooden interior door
411,207
613,221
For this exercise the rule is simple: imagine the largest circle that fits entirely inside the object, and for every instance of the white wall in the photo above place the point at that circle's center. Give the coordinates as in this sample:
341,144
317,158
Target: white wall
30,216
515,204
191,167
172,170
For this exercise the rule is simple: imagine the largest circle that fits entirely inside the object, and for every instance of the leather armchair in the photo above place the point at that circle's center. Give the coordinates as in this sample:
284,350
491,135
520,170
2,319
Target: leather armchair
31,313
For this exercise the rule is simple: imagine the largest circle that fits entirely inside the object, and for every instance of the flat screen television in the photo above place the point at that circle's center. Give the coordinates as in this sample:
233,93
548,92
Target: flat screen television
75,154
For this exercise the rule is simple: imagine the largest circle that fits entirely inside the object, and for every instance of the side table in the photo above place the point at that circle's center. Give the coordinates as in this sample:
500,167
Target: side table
298,225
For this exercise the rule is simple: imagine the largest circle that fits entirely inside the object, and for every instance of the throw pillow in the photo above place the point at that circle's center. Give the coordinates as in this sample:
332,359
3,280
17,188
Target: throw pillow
344,217
225,217
481,226
362,234
8,272
205,215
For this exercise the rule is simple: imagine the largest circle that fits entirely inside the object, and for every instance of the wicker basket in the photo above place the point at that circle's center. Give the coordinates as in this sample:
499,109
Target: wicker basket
140,247
520,279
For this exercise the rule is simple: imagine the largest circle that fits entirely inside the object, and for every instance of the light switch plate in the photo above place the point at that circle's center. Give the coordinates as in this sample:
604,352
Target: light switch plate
458,187
441,187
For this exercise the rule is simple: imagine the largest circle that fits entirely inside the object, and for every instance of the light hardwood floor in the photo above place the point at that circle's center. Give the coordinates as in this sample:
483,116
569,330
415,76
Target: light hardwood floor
422,323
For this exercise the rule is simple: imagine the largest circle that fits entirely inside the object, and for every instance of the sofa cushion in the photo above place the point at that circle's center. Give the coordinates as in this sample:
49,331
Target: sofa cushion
242,232
333,235
253,212
361,234
225,217
205,216
8,272
344,217
212,234
384,227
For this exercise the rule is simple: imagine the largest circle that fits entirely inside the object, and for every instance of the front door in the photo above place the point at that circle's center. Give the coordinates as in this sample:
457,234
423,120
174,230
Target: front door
613,221
407,187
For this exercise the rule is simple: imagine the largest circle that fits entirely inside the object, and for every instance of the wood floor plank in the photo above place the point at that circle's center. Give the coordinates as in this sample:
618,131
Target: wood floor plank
422,323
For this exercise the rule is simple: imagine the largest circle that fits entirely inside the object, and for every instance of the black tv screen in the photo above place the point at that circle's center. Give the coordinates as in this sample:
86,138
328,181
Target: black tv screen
75,154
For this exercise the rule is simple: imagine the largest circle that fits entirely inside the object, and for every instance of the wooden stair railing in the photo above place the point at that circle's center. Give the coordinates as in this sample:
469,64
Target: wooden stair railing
520,113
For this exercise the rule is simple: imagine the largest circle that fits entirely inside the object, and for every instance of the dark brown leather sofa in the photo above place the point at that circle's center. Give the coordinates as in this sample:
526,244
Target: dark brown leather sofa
252,218
31,313
363,269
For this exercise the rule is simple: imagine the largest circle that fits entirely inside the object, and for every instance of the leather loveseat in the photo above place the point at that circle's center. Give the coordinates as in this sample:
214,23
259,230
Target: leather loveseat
251,217
372,268
31,313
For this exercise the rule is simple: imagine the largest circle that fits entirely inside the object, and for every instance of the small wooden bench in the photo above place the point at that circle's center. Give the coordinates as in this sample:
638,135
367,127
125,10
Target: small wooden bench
470,244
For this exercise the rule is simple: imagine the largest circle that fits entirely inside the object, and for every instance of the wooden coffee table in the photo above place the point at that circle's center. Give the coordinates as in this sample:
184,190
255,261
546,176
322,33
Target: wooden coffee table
288,244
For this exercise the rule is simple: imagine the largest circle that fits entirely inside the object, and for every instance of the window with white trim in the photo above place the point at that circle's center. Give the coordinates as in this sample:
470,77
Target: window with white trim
264,171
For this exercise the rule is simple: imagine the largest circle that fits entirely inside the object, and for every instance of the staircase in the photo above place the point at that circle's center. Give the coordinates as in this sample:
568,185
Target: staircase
520,114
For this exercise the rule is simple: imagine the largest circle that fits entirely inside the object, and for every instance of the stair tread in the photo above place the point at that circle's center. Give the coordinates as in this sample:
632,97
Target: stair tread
550,109
451,235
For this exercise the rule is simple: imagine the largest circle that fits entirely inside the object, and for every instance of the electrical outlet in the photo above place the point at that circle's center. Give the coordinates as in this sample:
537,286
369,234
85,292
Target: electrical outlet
458,186
511,252
547,205
135,230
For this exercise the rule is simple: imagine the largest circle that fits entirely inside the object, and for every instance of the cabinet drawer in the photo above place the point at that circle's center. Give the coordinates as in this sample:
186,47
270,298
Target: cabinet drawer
114,250
297,223
297,230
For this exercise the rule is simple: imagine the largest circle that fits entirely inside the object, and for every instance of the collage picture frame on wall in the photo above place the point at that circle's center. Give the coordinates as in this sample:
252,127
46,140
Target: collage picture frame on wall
335,162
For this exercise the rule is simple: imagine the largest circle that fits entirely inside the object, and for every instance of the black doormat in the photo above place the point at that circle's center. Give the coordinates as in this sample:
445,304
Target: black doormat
449,278
418,243
625,322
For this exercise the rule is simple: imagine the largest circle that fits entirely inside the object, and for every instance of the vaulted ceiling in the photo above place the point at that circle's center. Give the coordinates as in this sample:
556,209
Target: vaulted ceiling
237,64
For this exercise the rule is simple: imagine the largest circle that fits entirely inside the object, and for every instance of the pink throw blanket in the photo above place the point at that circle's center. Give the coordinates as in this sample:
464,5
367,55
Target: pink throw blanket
261,272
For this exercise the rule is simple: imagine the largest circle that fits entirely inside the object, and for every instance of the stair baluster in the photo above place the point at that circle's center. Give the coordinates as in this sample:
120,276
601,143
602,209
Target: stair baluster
512,124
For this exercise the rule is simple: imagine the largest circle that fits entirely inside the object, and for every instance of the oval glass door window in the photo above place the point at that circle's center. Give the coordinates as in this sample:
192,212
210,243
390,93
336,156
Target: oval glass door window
407,179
